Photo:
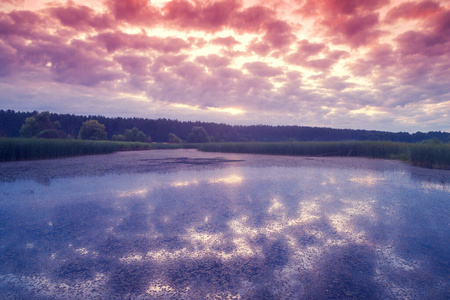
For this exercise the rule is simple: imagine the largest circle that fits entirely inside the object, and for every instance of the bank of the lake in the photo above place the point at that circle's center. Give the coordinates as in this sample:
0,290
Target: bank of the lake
17,149
430,155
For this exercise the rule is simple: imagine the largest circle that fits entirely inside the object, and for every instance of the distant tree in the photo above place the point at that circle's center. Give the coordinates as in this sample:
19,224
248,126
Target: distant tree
29,129
52,134
92,130
118,137
173,139
198,135
135,135
434,141
41,126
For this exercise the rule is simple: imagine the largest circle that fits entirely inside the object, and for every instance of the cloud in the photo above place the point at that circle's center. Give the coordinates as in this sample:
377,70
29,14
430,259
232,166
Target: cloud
134,11
258,47
114,41
315,56
278,34
12,2
252,19
229,41
354,31
236,54
78,66
8,59
227,73
344,7
167,60
22,23
209,17
134,65
213,61
411,10
305,49
433,41
80,17
336,83
350,22
262,69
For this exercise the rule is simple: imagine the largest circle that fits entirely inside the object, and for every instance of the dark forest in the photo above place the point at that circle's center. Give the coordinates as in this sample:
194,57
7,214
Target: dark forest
159,130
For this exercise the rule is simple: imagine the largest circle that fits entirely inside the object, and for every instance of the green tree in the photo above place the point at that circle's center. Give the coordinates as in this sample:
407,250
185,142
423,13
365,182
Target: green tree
135,135
118,137
41,126
198,135
92,130
29,129
173,139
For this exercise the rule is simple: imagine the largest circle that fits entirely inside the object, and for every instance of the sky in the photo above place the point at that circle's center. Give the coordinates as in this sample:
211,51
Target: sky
361,64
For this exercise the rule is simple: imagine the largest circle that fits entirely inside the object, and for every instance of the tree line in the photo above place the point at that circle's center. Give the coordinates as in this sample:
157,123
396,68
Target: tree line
52,125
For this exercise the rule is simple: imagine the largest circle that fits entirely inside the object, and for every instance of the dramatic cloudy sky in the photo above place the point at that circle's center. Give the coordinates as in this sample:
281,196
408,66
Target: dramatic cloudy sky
370,64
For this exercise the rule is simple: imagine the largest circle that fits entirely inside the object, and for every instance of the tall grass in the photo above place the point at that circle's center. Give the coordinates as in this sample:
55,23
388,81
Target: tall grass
425,155
12,149
429,155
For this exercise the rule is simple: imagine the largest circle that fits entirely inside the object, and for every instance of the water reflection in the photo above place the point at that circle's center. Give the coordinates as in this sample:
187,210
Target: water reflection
240,232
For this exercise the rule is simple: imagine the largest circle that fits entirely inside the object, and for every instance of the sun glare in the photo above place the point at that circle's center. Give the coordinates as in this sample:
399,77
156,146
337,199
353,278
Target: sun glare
230,110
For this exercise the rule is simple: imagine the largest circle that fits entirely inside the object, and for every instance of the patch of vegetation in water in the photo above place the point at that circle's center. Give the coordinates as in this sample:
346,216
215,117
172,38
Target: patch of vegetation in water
431,154
14,149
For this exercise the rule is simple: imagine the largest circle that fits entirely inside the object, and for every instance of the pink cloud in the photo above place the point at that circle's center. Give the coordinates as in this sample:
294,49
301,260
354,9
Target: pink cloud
309,49
213,61
342,7
262,69
167,60
8,59
134,65
80,17
411,10
114,41
351,22
337,54
434,41
260,48
306,51
278,34
355,31
14,2
336,83
210,17
76,63
134,11
225,41
228,73
22,23
322,64
252,19
253,85
190,71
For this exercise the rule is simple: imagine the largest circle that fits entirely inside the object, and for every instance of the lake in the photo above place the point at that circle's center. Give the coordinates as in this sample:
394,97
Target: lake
182,224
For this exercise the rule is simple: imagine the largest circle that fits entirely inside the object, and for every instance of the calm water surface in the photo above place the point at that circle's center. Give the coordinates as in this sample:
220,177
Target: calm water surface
281,228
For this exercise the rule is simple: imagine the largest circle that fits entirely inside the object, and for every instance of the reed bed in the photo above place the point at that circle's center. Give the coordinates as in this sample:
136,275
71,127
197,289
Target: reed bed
12,149
425,155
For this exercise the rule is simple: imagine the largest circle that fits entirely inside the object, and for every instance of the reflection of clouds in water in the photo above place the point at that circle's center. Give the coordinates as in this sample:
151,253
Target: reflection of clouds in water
367,180
435,186
232,179
275,232
134,193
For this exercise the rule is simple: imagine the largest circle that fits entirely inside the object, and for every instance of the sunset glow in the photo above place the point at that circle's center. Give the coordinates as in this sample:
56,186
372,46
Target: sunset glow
372,64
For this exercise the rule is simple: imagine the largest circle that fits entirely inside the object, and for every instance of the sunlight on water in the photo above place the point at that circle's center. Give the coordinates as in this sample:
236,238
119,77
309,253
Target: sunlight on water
271,232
